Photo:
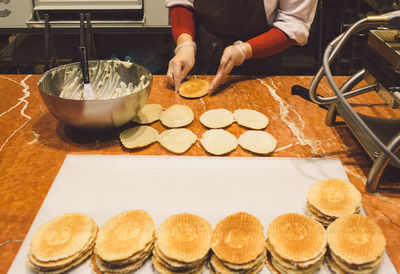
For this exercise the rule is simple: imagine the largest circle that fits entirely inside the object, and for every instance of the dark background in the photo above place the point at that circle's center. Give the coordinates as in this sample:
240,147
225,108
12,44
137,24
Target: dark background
24,52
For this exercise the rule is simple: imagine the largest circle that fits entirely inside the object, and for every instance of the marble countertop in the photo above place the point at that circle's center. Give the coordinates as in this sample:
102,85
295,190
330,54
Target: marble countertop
34,144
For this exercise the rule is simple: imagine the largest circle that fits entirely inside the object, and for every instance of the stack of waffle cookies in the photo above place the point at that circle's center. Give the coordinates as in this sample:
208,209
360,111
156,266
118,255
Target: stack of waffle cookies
62,243
182,244
238,245
356,245
295,244
332,198
124,243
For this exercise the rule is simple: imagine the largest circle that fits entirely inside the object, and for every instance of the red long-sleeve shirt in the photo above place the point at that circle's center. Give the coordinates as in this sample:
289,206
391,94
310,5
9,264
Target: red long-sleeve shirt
266,44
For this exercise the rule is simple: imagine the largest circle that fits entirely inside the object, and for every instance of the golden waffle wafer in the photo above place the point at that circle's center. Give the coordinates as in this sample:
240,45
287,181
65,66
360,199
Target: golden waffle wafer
131,260
184,237
174,264
334,197
62,263
356,239
163,270
194,88
63,269
238,238
62,237
282,269
296,238
247,266
294,265
354,268
122,268
124,235
217,266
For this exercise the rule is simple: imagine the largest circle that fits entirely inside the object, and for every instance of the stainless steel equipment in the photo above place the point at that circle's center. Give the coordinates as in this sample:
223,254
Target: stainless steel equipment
380,137
104,13
15,13
65,13
99,114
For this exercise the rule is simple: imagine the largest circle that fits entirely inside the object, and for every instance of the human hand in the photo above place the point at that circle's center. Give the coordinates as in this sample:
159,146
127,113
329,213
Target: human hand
181,63
232,56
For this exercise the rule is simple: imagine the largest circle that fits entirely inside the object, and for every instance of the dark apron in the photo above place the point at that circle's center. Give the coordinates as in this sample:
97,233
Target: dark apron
222,22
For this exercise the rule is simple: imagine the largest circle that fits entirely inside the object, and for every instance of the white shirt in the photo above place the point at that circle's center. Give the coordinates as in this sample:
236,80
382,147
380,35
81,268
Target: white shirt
294,17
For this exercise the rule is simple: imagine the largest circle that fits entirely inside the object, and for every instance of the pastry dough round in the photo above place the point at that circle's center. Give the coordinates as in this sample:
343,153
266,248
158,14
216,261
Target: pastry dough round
139,136
195,88
177,116
148,114
257,141
218,141
177,140
217,118
250,118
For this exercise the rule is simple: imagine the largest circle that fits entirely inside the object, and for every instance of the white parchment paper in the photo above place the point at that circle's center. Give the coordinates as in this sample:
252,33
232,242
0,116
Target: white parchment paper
212,187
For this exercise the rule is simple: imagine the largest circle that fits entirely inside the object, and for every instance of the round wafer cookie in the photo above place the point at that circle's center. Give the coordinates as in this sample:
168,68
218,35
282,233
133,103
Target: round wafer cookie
356,268
177,116
184,237
194,88
356,239
296,237
174,264
238,238
62,237
163,270
62,263
217,266
148,114
295,265
217,118
63,269
334,197
124,235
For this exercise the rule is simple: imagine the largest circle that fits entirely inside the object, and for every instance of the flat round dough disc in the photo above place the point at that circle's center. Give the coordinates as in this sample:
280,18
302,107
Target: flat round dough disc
177,116
177,140
148,114
217,118
256,141
195,88
250,118
139,136
218,141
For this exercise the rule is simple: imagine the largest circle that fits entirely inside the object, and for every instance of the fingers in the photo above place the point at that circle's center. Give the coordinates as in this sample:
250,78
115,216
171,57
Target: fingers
179,67
224,69
174,73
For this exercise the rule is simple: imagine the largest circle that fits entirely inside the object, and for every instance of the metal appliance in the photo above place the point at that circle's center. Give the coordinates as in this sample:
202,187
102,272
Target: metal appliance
65,13
380,137
15,13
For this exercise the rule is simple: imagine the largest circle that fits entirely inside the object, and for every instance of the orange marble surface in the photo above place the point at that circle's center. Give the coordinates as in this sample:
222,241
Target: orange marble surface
33,145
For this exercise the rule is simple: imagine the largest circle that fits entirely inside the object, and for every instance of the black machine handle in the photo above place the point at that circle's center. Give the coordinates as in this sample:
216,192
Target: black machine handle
84,65
82,50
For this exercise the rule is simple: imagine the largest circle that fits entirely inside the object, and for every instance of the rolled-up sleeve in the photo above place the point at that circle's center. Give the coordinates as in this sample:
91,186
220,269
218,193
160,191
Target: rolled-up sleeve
294,17
185,3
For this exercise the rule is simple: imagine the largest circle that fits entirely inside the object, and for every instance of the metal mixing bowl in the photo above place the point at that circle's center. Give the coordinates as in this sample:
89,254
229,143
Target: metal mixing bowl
99,114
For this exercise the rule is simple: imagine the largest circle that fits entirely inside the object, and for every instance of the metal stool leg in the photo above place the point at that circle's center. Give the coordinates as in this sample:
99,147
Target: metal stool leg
380,164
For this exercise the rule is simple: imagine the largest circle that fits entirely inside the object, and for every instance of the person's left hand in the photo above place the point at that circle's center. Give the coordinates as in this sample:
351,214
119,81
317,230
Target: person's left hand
233,56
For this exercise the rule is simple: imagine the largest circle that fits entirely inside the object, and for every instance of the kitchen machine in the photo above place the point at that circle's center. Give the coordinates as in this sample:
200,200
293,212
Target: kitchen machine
380,137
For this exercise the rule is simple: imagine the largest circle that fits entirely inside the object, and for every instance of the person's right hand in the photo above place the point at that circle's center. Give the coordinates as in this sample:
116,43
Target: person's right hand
180,65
